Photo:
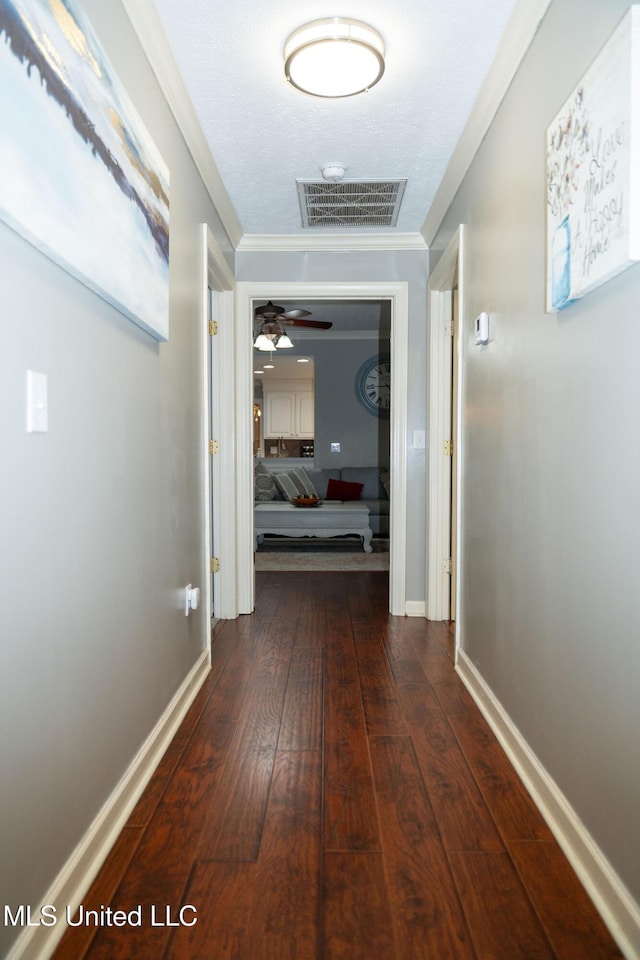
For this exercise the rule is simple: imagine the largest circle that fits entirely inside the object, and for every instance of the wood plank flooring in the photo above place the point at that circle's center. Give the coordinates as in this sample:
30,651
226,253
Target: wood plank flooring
335,793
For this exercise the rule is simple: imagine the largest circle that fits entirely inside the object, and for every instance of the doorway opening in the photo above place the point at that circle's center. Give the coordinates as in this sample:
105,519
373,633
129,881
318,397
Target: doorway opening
326,409
284,407
252,294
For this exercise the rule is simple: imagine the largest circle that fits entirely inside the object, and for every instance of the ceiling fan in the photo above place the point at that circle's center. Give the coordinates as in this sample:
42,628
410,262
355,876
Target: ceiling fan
271,313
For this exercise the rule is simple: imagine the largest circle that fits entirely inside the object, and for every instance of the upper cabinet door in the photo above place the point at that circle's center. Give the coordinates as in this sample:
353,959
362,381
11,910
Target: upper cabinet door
305,415
280,415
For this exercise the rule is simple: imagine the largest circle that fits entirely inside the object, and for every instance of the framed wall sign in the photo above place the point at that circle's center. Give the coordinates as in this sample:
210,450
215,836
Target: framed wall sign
80,177
593,159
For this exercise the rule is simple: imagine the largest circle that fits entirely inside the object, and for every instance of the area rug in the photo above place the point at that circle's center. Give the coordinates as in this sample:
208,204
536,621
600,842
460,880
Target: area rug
313,554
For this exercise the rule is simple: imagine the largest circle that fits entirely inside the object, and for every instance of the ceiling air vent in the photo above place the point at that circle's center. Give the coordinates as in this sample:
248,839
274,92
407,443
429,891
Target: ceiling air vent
350,203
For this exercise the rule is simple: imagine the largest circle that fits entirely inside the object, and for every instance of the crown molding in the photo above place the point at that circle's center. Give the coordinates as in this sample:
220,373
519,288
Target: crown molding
148,27
516,39
260,243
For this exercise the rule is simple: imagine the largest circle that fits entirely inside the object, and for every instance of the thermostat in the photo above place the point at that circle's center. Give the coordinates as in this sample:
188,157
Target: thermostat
482,329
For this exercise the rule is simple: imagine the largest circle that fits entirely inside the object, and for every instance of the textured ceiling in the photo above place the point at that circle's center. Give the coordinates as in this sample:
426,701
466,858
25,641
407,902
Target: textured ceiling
263,133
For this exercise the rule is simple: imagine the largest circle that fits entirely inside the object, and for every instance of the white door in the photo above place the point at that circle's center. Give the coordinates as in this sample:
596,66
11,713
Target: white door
455,317
212,420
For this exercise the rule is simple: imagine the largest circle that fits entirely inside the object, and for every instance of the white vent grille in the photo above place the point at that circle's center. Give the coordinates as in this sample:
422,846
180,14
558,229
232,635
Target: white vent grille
350,203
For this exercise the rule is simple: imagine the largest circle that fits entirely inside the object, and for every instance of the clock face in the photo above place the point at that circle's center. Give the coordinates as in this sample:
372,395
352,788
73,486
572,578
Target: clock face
373,385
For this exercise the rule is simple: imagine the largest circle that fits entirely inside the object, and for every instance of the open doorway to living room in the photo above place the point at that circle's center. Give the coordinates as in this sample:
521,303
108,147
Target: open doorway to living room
251,294
323,407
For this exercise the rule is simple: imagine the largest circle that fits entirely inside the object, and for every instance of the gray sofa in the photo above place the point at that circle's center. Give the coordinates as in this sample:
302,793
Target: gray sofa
373,495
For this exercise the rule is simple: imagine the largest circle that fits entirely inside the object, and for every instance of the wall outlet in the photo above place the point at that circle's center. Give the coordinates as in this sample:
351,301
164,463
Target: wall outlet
335,448
191,599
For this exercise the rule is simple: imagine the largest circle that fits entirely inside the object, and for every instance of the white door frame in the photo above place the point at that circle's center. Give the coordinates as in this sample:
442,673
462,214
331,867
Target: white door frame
397,294
220,472
448,270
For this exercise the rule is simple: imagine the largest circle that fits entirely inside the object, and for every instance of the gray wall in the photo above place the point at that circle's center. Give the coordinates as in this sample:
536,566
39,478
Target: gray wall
357,267
550,611
363,438
101,521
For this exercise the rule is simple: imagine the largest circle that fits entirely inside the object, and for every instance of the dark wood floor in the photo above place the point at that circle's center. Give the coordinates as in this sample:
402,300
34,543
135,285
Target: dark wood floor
334,793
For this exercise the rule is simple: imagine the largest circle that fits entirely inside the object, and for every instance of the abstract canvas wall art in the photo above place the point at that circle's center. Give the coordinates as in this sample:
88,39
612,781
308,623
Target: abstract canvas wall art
80,177
593,164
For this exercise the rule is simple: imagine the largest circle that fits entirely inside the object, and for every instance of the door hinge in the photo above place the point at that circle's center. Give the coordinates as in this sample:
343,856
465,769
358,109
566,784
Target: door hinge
448,565
213,327
452,327
448,448
215,565
214,447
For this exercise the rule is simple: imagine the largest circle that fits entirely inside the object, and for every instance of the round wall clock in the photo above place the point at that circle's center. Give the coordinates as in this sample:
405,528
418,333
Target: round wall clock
373,385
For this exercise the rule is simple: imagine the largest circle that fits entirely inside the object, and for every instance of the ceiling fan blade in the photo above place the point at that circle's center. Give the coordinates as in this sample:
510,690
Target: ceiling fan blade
316,324
295,314
273,311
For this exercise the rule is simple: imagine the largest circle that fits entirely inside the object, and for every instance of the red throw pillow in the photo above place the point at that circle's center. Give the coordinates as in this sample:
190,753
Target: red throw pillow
342,490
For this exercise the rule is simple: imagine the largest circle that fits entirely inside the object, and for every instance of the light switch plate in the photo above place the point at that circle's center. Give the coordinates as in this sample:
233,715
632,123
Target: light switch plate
335,448
37,405
418,439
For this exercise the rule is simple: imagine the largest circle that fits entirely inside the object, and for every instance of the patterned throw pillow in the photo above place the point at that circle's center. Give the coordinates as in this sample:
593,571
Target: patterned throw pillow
295,483
264,485
303,480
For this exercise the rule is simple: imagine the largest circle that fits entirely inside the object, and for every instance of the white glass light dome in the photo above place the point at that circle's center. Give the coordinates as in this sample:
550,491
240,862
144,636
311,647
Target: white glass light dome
334,57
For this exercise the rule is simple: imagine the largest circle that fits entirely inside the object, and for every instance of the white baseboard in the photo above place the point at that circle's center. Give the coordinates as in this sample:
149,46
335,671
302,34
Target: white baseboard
78,873
618,909
415,608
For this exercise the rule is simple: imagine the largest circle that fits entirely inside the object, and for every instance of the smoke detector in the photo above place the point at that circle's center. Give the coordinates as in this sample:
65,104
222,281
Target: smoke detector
333,171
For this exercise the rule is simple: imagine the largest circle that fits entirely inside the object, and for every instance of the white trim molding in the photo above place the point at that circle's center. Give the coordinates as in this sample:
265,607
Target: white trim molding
610,896
258,243
520,31
80,870
149,30
415,608
397,293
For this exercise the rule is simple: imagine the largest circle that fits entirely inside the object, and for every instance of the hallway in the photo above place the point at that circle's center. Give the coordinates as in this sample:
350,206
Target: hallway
334,793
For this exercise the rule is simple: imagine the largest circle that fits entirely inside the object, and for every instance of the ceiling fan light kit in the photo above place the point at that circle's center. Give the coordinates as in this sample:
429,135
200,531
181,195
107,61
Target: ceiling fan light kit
262,342
334,57
271,335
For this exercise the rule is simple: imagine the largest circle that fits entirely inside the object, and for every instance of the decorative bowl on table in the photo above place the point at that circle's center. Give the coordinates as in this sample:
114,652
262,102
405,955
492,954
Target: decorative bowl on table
306,501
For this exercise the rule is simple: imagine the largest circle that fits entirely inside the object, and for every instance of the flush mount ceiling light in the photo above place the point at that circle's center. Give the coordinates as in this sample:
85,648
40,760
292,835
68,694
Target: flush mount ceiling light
334,57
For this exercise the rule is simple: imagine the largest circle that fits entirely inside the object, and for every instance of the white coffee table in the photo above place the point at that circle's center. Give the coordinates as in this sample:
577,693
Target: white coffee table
329,519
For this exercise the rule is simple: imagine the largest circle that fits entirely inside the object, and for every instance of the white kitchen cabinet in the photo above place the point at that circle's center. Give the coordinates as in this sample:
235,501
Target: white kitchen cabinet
288,413
305,415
